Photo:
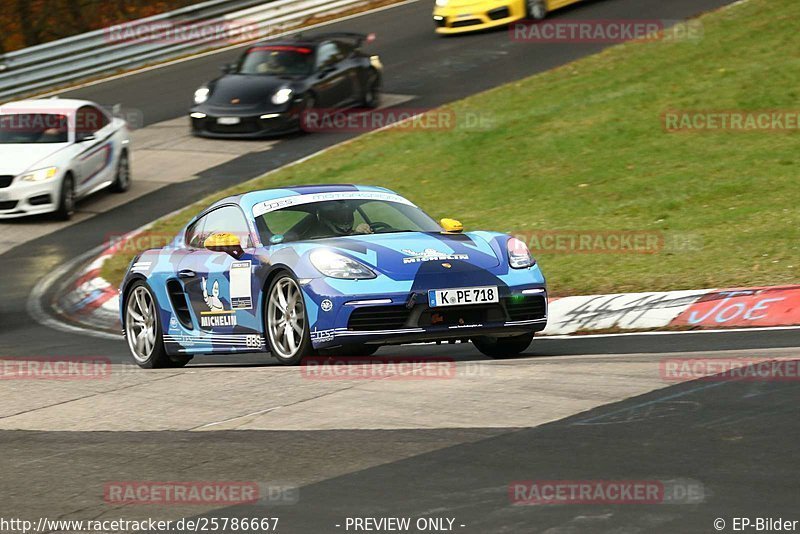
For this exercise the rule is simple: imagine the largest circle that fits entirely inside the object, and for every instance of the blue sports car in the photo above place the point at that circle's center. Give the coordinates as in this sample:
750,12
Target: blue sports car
329,268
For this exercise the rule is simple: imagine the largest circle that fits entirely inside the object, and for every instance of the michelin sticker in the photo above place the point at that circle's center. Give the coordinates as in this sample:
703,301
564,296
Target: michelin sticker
217,314
430,254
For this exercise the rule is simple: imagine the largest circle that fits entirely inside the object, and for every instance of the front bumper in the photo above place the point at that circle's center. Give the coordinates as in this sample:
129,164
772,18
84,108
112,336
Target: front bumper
406,317
449,20
249,125
29,198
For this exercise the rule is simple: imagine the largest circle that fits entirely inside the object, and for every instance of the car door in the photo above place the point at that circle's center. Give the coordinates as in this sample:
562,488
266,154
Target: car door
219,287
332,84
94,162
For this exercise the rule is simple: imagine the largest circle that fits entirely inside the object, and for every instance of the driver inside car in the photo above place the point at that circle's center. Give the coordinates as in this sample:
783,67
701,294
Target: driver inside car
335,219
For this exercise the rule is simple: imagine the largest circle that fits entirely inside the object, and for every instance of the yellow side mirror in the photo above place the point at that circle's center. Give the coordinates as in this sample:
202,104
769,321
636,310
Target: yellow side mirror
451,226
224,242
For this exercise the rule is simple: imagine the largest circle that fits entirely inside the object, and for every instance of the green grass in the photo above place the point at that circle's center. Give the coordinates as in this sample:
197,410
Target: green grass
582,148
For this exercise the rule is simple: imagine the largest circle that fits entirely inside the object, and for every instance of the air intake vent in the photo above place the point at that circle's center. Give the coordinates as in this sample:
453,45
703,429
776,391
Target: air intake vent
378,318
178,299
526,309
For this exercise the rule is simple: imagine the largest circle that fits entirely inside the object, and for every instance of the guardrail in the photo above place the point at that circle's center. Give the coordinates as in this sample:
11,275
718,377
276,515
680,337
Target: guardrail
99,52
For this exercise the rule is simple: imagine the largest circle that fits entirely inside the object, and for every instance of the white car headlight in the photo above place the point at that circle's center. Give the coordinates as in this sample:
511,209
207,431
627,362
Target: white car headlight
39,175
441,3
201,95
519,256
335,265
282,96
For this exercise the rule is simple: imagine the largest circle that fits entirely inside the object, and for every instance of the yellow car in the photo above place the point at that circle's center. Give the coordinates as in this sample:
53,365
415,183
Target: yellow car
457,16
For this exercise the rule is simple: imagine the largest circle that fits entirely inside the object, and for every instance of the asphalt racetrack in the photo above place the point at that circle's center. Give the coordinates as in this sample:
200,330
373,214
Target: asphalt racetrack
584,408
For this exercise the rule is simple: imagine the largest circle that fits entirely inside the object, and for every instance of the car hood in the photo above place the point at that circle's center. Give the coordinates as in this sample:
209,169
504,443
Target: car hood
17,158
408,252
459,4
250,91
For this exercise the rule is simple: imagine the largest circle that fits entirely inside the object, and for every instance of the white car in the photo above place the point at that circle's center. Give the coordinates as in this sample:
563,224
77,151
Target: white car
56,151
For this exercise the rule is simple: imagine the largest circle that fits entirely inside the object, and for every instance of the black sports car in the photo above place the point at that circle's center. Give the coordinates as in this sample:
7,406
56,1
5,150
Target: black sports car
273,83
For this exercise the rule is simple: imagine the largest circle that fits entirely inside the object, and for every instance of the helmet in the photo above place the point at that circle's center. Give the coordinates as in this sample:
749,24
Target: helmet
338,216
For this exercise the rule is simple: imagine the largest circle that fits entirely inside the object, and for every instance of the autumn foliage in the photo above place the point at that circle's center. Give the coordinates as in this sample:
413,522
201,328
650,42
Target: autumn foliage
30,22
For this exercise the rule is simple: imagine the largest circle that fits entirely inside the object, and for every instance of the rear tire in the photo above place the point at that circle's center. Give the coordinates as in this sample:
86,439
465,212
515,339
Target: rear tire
503,347
66,199
123,180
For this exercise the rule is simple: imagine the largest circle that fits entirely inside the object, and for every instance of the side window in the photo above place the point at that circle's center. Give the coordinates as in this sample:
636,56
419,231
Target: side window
328,54
228,219
89,120
194,235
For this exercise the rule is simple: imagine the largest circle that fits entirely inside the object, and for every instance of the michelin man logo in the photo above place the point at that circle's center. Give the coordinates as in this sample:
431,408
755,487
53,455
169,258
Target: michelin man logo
212,301
326,305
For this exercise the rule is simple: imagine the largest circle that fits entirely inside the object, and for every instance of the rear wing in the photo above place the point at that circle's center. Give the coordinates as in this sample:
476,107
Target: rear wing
357,39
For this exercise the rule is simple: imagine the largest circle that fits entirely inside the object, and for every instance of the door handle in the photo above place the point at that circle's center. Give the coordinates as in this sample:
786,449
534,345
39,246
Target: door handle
186,273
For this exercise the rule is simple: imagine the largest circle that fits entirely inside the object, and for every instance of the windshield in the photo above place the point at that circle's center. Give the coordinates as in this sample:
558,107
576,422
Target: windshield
339,218
277,60
26,128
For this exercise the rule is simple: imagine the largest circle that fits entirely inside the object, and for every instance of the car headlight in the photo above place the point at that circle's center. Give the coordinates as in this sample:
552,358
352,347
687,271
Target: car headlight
335,265
282,96
519,256
39,175
441,3
201,95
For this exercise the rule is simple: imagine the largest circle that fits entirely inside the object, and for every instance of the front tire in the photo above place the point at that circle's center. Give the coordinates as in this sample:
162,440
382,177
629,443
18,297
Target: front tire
285,321
537,9
309,104
143,330
66,199
503,347
372,91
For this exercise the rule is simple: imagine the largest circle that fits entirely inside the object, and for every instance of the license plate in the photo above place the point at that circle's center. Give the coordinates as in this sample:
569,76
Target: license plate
463,296
228,121
4,196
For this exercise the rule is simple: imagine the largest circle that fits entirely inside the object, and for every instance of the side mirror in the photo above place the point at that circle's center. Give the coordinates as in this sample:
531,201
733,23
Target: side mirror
451,226
82,138
224,242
